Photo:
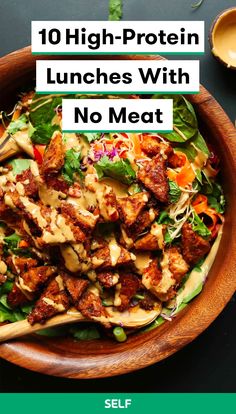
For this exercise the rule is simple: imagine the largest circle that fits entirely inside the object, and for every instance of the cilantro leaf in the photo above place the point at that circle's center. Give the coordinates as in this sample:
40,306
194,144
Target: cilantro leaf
174,192
115,9
199,227
71,165
41,116
217,204
92,136
134,189
217,190
215,196
6,287
119,170
12,241
19,165
18,124
164,218
168,239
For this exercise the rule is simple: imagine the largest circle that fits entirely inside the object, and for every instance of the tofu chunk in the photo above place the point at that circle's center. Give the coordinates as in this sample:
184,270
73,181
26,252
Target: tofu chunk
194,247
177,264
154,240
159,281
90,305
125,290
28,181
153,145
131,207
80,217
53,159
75,287
107,279
144,220
154,176
102,258
35,278
54,300
16,297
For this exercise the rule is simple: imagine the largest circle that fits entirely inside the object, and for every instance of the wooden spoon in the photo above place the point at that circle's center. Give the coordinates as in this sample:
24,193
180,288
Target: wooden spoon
137,317
8,147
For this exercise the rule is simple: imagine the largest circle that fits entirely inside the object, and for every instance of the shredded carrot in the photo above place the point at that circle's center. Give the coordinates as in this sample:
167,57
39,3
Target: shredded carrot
16,114
137,147
186,175
214,217
2,130
97,146
200,204
23,243
181,158
171,175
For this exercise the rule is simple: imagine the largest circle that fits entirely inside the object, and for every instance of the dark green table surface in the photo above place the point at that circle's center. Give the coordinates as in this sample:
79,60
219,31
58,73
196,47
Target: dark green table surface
209,363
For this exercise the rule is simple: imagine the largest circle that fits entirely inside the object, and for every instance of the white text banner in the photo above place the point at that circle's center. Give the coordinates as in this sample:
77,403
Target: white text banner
107,115
122,76
119,37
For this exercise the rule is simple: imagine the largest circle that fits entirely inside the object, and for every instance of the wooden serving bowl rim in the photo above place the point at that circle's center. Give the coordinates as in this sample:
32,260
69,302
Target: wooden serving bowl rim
96,359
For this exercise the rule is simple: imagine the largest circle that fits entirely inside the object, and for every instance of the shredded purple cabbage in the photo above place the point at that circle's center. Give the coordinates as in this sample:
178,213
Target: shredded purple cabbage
99,154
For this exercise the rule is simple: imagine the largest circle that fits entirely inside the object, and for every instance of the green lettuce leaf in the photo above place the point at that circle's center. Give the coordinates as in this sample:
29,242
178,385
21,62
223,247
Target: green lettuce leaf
85,334
184,119
51,332
188,150
190,147
200,143
199,175
199,227
158,322
119,170
7,314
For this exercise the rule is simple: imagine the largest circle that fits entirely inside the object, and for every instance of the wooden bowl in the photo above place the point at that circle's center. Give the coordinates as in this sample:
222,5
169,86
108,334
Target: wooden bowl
102,358
222,38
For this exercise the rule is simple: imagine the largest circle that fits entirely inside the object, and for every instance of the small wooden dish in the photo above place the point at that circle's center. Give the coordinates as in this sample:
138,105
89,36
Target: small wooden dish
102,358
222,38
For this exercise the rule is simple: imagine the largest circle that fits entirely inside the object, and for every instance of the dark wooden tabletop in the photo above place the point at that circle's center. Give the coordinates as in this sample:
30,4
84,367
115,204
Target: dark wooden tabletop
208,364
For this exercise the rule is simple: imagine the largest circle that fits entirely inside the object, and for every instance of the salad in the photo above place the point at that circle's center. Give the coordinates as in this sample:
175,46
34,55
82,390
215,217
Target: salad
101,222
